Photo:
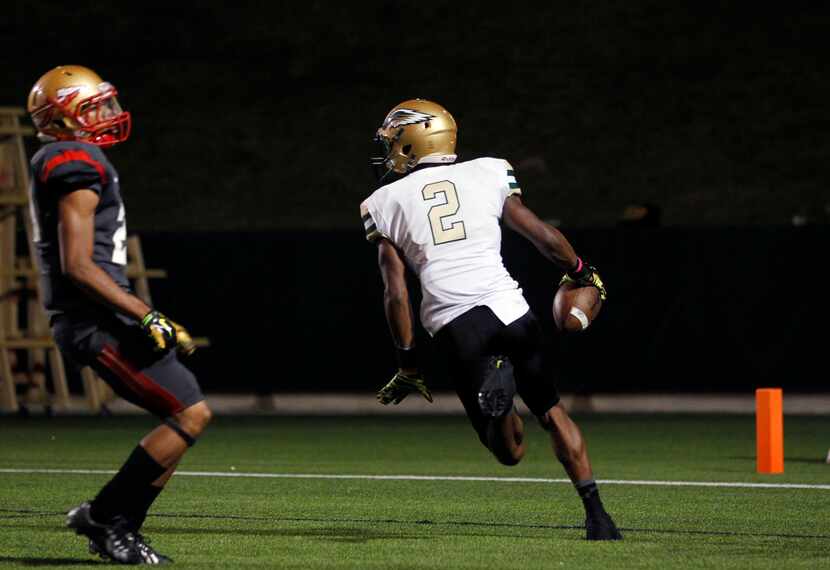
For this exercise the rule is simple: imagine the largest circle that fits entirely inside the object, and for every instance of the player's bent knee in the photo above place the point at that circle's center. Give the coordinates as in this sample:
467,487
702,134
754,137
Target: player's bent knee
205,414
188,437
190,422
195,419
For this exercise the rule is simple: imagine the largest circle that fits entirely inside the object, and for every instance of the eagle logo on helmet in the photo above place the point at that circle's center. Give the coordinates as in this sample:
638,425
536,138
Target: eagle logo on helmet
65,95
403,117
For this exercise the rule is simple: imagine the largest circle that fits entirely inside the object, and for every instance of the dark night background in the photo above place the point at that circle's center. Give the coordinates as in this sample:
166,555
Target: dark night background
248,161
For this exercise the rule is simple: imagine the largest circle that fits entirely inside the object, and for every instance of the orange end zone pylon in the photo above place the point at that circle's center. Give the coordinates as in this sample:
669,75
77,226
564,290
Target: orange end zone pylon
769,428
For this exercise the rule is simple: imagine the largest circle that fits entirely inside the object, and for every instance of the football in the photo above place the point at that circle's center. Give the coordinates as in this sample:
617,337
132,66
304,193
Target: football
575,307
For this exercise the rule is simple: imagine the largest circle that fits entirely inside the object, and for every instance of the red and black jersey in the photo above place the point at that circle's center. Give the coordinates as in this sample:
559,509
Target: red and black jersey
60,168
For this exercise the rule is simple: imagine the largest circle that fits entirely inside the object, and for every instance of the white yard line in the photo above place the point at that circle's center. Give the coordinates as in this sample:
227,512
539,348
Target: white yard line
429,478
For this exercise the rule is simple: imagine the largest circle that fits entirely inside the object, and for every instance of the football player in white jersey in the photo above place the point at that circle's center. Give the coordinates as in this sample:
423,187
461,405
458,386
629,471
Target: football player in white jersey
442,218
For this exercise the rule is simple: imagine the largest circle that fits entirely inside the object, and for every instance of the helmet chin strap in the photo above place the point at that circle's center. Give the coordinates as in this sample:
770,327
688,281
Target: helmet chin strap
384,175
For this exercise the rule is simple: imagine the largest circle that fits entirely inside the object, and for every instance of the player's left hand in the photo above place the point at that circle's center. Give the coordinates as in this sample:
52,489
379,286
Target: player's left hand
587,276
160,331
401,385
166,334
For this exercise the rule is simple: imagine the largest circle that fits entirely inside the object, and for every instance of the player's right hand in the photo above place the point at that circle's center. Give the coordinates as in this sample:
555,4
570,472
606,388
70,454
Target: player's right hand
184,341
401,385
160,330
586,276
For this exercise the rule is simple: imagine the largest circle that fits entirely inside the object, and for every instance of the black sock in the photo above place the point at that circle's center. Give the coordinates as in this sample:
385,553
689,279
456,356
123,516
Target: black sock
119,495
589,493
141,505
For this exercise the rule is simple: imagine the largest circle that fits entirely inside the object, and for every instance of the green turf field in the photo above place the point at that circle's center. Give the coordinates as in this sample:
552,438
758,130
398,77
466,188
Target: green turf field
215,521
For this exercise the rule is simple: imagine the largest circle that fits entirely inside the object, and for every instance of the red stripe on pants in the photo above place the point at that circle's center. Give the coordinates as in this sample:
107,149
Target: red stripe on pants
155,397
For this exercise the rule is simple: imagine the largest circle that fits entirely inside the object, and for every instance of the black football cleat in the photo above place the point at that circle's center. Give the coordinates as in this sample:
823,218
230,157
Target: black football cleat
115,541
495,397
146,553
601,527
80,520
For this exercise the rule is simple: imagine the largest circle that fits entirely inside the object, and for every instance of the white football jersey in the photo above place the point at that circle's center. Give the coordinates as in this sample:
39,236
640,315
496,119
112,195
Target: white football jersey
445,221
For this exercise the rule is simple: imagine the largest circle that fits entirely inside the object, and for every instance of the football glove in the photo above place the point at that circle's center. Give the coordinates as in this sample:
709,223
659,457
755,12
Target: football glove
184,341
586,276
160,330
400,386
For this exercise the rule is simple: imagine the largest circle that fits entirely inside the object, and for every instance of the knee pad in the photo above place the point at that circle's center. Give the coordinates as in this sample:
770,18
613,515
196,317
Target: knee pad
495,397
174,425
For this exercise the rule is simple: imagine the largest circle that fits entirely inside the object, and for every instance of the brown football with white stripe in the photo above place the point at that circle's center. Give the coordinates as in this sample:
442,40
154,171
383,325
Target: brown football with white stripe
575,307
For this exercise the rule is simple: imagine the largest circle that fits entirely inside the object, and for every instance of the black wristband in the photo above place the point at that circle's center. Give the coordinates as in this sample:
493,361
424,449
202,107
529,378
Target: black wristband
407,357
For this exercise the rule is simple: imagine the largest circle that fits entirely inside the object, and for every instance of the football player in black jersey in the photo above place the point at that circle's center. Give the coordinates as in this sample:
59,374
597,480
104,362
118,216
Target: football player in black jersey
80,233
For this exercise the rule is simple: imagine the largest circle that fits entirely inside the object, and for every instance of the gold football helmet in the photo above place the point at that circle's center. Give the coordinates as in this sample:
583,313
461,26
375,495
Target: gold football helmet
72,102
415,132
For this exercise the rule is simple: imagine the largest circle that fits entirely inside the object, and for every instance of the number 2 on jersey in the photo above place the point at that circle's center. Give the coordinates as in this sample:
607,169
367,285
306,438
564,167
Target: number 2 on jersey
438,212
